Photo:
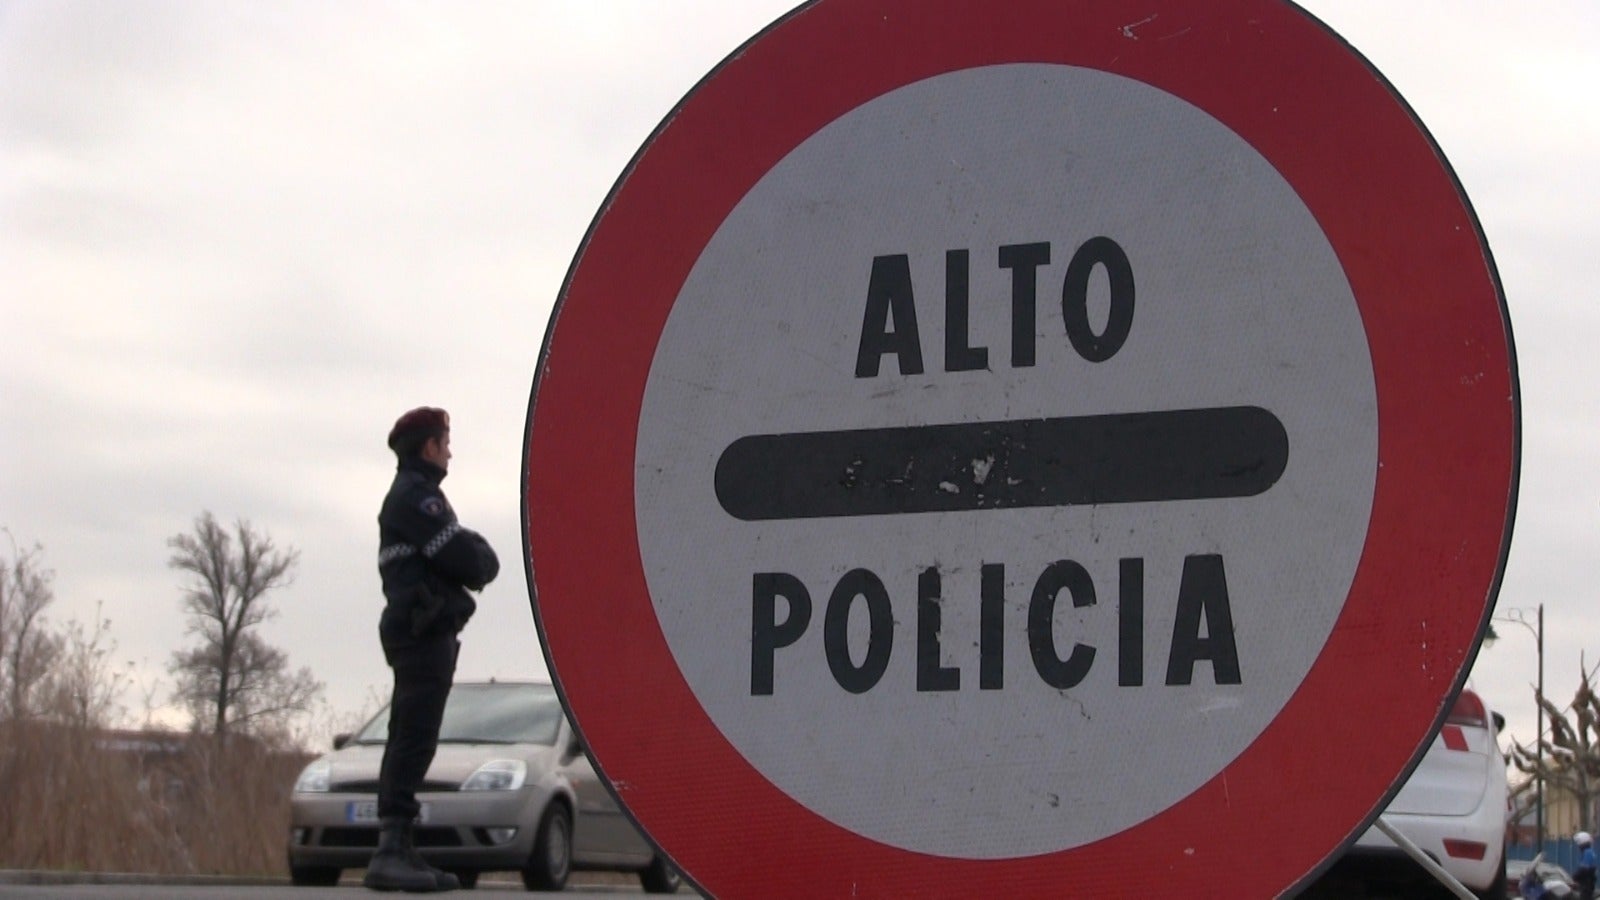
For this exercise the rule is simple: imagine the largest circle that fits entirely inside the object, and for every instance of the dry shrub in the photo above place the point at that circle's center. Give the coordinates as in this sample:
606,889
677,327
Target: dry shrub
236,819
74,806
81,796
114,801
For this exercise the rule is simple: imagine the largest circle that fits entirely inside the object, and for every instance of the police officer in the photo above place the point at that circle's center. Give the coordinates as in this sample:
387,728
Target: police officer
1584,872
428,563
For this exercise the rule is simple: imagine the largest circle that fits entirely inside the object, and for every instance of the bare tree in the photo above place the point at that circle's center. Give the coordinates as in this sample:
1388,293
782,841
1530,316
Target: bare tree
232,677
86,688
1570,763
27,648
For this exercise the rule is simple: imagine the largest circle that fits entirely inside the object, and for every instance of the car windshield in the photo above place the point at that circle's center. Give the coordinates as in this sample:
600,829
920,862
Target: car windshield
488,714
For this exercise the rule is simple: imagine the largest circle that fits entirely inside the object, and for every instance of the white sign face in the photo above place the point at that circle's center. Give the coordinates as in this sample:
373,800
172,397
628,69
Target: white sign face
978,679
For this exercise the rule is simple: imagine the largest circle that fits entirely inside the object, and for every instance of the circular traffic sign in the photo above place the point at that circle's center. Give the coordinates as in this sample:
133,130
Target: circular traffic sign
1051,444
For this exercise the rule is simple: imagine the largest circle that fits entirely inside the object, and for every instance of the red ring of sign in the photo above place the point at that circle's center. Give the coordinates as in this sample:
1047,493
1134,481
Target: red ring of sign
1448,441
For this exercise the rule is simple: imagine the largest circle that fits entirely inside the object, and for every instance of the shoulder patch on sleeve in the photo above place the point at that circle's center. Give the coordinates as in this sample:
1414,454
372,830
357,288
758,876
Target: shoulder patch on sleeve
433,506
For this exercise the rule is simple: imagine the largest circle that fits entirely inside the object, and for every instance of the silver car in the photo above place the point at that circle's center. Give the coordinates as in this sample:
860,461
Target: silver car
510,789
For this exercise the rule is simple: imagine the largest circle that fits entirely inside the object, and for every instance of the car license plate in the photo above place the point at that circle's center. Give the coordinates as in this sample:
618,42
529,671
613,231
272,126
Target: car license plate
365,812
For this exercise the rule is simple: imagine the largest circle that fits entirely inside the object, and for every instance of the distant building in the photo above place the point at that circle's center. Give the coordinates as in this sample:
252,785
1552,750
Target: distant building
1562,816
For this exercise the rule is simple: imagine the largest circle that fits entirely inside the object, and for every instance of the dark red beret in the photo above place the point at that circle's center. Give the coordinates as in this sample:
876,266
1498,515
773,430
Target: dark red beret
427,419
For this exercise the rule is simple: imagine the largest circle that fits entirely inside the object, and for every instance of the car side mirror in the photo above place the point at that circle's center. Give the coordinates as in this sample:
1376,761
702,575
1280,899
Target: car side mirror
1499,723
339,740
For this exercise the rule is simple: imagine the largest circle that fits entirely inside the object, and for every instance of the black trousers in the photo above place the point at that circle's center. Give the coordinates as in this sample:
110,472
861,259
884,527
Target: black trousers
423,670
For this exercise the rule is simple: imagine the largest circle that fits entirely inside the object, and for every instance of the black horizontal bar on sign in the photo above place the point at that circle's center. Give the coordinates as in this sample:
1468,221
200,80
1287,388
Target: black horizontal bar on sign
1187,454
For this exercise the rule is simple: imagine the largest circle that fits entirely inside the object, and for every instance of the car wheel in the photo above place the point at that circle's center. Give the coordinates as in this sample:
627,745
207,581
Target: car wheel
551,863
467,877
313,876
660,878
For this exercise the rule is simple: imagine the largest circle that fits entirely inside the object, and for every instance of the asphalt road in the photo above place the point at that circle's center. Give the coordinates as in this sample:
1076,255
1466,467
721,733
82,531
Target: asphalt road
274,892
68,886
54,886
62,888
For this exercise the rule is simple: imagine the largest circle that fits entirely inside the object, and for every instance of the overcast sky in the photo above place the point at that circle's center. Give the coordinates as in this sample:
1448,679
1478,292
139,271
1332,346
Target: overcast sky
237,240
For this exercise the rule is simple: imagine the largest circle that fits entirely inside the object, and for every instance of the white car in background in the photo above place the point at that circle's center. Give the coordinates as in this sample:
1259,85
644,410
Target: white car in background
1453,807
509,790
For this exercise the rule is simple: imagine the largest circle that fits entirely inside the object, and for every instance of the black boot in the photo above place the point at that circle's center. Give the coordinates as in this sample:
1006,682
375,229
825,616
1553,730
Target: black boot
397,866
443,881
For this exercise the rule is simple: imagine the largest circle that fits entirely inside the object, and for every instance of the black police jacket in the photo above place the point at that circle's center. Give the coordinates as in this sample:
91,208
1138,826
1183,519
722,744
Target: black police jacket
428,560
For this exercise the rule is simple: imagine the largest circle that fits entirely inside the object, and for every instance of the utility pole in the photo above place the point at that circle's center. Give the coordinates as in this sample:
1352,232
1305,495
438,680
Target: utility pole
1535,628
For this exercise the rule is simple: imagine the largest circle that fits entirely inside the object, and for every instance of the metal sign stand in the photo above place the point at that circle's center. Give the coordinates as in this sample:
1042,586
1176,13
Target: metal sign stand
1424,860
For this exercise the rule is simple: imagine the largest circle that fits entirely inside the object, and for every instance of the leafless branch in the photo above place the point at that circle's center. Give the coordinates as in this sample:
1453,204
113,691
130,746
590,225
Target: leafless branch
231,677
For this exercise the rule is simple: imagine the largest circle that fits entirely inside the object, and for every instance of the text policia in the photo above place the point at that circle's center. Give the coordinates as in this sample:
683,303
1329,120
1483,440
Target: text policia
1203,625
1202,597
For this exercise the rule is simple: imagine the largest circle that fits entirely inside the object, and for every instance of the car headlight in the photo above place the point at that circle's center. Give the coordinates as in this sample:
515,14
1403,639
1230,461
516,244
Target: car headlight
497,775
314,780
